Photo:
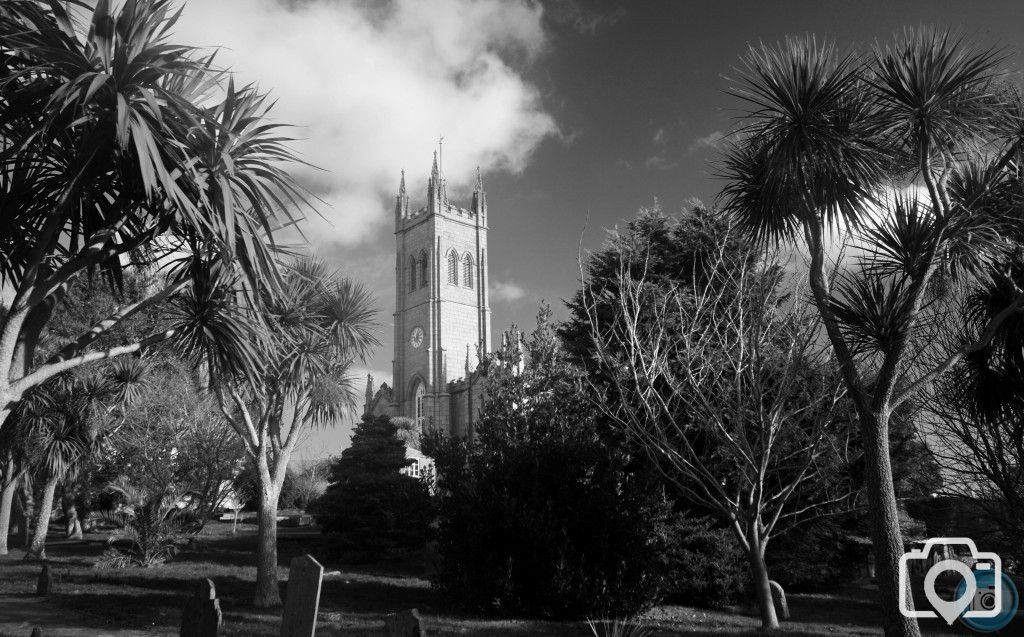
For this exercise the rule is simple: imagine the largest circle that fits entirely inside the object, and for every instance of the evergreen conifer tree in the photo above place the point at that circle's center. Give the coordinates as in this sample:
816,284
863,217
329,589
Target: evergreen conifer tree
370,507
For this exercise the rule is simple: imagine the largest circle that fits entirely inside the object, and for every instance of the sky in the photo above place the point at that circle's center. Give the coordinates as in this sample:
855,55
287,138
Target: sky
577,113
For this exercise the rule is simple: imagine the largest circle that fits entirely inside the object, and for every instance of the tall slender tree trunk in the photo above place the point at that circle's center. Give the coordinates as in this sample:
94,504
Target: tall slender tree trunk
25,349
6,502
38,548
26,504
759,580
886,537
268,593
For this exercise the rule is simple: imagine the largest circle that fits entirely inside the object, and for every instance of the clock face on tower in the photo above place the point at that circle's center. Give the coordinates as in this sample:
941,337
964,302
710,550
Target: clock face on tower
416,337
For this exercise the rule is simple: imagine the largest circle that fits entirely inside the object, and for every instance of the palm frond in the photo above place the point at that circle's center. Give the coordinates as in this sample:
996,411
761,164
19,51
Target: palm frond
351,319
807,147
873,311
936,91
211,328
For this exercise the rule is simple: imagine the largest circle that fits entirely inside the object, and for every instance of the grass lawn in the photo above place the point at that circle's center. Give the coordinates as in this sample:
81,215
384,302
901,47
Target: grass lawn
354,600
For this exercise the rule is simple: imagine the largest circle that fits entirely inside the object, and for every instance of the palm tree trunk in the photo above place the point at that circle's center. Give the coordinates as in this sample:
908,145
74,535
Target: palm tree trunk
887,539
38,548
759,581
6,502
268,592
26,505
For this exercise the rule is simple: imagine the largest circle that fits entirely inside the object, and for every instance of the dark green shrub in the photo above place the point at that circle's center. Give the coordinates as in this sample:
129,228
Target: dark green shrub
541,515
369,508
708,569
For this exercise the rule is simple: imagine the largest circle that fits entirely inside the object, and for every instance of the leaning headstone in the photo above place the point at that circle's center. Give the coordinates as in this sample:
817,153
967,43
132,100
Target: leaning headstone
201,616
779,599
303,599
37,632
405,623
45,583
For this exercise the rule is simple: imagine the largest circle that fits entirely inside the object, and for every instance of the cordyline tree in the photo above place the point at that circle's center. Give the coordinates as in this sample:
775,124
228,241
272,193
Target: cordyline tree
277,365
915,150
64,421
719,380
112,137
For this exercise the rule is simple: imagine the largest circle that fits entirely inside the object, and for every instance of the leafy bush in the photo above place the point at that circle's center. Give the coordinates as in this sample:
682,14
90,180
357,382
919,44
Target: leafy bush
370,508
150,528
708,568
542,515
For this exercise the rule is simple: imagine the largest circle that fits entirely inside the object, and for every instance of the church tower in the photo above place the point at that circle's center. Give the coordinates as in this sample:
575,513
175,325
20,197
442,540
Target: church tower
442,314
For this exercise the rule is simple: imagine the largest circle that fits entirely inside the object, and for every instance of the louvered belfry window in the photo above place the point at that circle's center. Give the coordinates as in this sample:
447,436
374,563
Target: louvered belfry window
467,271
453,268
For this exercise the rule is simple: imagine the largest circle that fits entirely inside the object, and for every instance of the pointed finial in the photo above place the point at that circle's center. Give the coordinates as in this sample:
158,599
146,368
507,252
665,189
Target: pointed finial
401,185
479,180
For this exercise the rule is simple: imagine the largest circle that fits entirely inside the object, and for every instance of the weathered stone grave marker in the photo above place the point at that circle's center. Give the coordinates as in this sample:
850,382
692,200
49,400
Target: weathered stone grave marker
779,599
303,600
45,583
201,616
404,623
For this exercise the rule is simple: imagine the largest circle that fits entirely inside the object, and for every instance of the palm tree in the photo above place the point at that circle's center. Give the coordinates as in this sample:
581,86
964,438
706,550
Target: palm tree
276,368
66,421
116,141
911,150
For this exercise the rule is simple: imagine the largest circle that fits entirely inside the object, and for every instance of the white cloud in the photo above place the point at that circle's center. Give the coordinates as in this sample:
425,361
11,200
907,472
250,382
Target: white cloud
506,291
659,162
713,141
372,86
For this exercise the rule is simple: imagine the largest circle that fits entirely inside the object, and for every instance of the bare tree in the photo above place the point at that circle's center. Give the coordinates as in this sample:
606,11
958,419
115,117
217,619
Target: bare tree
984,458
723,384
311,482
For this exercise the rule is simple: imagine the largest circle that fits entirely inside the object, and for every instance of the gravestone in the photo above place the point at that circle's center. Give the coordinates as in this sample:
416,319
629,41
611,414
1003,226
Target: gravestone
37,632
201,616
303,599
779,599
45,583
405,623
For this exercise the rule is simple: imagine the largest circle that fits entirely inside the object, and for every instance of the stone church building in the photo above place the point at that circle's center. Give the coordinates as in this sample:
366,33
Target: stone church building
442,315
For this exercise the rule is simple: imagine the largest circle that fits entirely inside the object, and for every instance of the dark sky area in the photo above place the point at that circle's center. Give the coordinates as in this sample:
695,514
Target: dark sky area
642,104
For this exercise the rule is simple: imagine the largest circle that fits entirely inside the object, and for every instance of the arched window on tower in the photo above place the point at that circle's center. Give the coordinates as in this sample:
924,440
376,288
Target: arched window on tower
453,268
413,263
467,271
424,280
418,405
